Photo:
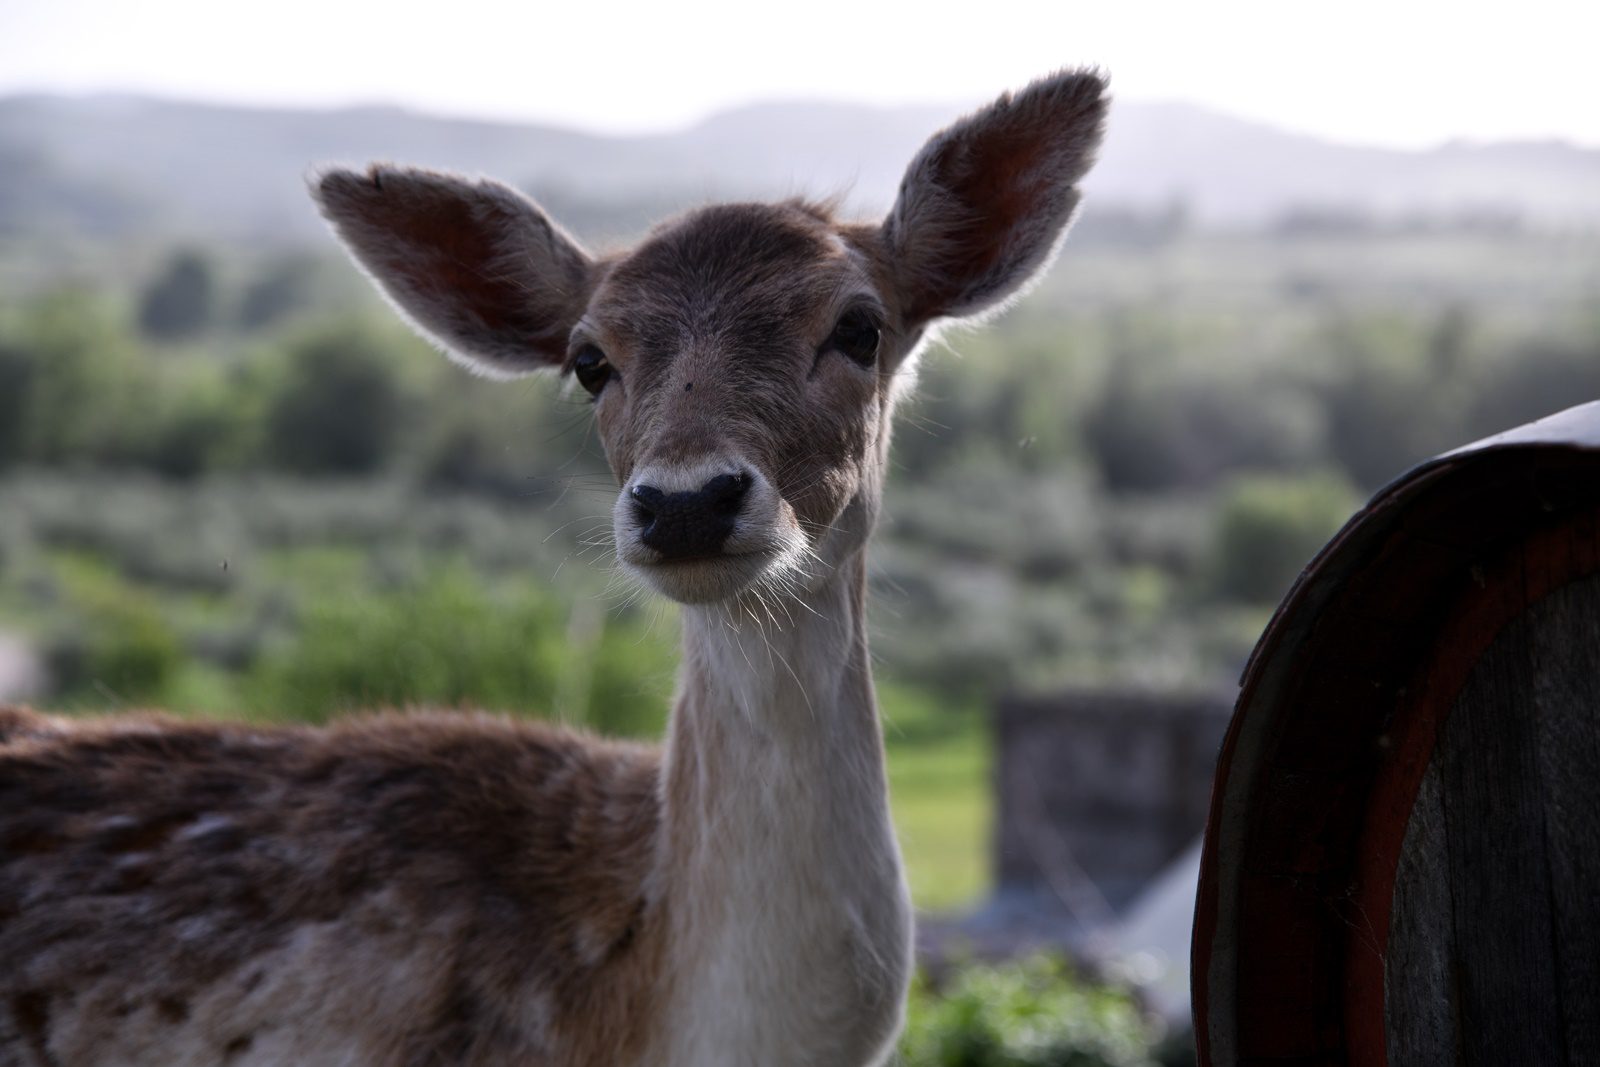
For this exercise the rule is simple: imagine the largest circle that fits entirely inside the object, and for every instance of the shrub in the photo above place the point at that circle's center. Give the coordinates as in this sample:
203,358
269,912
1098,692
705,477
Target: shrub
1394,392
1031,1013
283,289
120,650
453,640
1268,528
1537,379
1158,433
634,669
339,410
446,642
17,372
179,303
200,430
65,382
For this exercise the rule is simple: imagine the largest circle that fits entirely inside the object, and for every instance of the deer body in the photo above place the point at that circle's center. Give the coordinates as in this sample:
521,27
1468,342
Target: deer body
426,889
699,892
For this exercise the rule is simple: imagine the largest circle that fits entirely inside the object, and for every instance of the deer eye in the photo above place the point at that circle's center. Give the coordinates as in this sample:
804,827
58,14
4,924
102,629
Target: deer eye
591,369
856,335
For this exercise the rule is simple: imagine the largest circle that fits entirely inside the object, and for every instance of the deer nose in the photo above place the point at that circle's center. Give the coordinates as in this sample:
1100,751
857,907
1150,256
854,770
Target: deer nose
685,525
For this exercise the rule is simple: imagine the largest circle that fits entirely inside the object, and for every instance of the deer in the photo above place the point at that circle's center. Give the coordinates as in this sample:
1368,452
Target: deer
414,888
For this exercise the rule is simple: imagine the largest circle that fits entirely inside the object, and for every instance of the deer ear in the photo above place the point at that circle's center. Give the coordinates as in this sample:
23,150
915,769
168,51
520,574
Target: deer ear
475,266
986,203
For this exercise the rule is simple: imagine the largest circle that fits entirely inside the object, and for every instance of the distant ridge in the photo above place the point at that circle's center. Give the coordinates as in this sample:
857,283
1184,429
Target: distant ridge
118,164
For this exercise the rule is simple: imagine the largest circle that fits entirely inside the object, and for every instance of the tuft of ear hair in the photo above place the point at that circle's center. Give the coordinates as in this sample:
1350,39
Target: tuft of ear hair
985,205
474,265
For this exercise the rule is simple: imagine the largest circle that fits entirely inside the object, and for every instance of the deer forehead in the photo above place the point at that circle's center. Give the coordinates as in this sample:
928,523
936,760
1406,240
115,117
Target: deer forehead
714,324
747,283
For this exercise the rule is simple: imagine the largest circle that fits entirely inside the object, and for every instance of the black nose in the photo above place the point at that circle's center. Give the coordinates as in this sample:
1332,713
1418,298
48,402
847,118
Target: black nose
684,525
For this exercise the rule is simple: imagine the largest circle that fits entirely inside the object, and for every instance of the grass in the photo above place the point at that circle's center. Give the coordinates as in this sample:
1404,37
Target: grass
939,768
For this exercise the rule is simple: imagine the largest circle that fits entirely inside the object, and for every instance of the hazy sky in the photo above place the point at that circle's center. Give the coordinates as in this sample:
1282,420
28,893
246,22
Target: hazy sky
1396,72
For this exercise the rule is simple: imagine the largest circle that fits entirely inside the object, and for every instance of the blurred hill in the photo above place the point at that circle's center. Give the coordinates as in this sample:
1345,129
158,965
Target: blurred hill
115,165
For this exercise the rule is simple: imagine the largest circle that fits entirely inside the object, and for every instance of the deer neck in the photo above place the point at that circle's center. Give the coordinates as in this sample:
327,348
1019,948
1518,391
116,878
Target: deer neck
787,902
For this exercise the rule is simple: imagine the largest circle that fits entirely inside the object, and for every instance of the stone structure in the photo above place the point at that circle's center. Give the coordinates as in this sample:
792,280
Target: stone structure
1098,791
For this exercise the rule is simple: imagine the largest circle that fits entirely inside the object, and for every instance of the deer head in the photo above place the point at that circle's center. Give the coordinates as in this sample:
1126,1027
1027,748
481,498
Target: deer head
744,360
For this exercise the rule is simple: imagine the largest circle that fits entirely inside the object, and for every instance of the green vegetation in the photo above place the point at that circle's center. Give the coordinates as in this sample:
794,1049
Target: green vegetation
939,786
239,486
1028,1013
1268,527
179,302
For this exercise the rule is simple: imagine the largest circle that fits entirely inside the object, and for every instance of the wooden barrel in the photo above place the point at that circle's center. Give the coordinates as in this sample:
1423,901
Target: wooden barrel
1402,859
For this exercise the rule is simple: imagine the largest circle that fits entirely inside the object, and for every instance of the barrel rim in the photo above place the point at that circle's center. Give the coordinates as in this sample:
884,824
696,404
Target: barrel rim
1270,673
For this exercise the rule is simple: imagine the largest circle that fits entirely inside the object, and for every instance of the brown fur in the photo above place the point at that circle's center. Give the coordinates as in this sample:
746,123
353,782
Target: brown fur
454,264
116,834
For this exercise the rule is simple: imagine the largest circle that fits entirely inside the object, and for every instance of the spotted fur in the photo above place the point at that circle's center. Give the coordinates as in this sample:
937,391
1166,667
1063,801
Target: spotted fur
166,884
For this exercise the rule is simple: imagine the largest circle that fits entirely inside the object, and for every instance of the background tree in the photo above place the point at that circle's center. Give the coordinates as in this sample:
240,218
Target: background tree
281,290
179,303
339,407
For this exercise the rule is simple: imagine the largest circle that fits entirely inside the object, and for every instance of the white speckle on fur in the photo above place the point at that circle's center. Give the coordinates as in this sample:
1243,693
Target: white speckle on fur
206,824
